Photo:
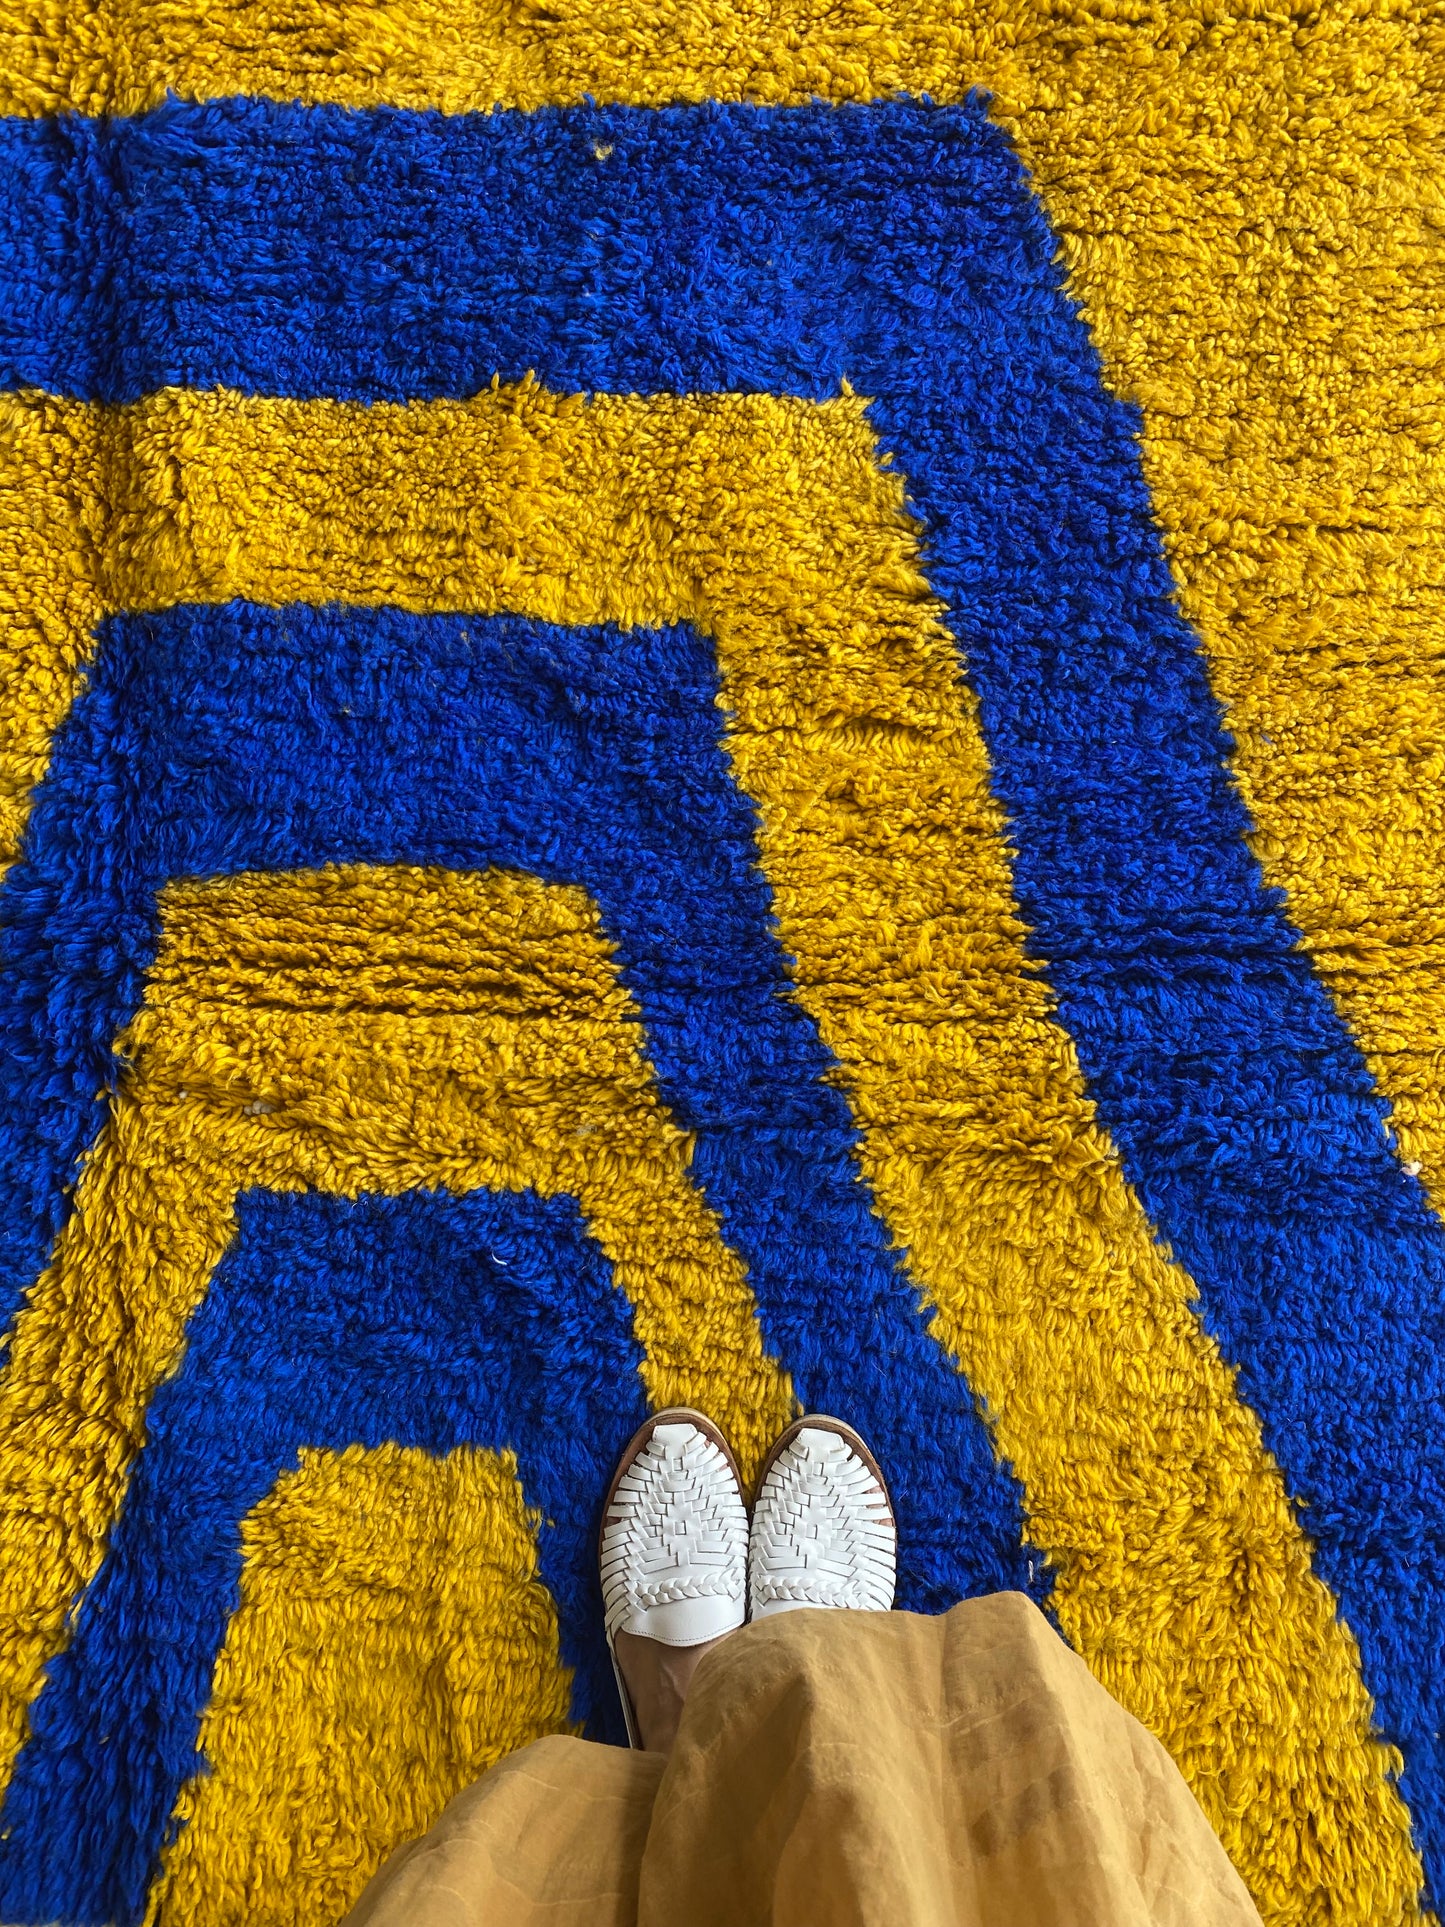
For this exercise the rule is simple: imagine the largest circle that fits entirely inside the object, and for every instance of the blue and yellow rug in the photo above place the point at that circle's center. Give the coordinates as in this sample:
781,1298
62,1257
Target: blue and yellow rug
687,713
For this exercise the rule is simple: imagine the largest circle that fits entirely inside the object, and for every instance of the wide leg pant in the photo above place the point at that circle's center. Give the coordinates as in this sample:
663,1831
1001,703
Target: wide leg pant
835,1768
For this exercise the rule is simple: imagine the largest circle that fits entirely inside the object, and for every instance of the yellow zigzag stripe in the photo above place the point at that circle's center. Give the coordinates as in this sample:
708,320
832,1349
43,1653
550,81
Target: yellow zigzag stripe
1247,206
53,504
1180,1573
270,1052
410,1585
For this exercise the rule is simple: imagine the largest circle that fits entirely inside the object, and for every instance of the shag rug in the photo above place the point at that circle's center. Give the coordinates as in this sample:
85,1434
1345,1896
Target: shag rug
741,704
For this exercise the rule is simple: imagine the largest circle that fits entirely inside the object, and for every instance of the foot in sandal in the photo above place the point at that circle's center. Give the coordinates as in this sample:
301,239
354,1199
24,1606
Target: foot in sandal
823,1532
674,1554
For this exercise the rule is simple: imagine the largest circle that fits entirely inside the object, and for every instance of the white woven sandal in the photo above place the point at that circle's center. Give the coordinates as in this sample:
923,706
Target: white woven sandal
823,1529
674,1540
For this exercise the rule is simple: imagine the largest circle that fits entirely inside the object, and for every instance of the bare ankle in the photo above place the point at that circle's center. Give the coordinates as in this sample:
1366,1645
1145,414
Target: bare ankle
658,1679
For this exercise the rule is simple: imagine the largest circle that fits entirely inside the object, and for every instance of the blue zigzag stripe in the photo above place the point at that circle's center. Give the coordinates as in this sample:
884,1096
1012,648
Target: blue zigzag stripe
394,255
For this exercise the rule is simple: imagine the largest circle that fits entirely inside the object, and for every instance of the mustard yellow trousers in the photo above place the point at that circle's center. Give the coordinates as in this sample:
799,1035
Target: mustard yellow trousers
835,1768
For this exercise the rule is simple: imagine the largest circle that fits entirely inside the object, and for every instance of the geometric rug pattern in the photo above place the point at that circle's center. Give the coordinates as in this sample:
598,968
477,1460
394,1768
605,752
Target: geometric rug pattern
700,748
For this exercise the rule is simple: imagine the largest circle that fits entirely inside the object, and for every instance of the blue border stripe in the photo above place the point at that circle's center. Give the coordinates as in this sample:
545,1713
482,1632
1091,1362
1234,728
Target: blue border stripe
386,254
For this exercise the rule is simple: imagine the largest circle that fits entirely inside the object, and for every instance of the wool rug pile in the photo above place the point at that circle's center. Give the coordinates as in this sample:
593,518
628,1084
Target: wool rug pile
740,705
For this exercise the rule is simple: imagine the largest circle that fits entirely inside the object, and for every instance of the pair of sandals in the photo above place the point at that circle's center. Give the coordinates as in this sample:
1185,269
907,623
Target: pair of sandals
680,1562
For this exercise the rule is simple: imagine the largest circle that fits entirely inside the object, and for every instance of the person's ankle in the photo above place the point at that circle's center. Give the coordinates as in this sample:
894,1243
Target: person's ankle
658,1681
